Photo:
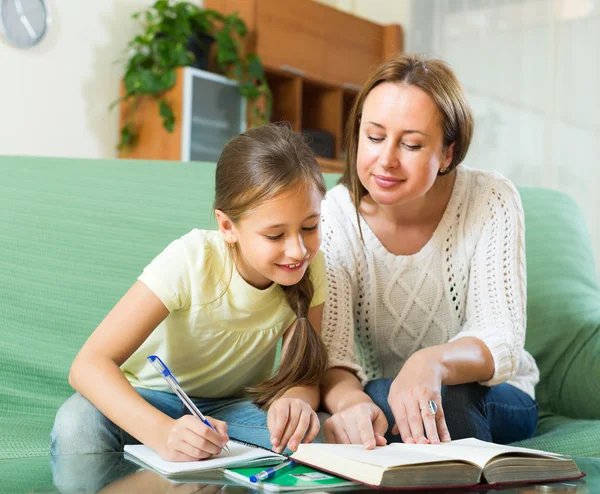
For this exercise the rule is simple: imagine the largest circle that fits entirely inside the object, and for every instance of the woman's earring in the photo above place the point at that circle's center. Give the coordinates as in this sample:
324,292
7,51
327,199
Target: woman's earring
442,171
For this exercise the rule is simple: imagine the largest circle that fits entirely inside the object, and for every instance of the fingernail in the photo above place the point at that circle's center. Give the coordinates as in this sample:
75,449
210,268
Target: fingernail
292,445
369,444
446,438
275,441
435,439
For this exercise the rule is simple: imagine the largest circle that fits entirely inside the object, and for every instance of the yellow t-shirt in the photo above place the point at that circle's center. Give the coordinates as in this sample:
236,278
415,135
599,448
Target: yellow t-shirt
213,349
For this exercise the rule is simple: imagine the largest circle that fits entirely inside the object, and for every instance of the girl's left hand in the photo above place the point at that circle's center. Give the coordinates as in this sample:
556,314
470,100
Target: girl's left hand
291,421
419,381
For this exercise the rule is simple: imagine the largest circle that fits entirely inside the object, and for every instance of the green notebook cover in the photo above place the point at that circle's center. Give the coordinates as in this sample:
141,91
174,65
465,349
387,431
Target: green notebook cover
298,478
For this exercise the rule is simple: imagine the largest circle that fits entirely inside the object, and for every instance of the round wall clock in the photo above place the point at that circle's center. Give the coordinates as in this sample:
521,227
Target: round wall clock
24,22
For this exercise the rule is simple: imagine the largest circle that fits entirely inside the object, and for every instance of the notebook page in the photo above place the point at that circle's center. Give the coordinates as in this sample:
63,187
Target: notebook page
238,454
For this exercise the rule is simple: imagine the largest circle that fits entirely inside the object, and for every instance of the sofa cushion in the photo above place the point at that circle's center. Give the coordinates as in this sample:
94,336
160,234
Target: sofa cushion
567,436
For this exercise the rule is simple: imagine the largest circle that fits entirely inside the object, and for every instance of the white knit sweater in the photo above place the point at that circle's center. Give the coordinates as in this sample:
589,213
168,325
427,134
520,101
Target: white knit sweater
468,280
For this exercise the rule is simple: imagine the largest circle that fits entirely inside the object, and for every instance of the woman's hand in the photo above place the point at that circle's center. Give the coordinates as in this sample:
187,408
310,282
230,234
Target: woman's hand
189,439
363,423
419,381
291,421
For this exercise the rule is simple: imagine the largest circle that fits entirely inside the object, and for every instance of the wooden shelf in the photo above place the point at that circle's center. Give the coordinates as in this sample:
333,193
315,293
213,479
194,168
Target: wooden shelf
315,58
331,166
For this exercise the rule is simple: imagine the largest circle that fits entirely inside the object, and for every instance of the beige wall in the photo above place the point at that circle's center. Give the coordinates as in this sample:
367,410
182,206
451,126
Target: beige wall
54,97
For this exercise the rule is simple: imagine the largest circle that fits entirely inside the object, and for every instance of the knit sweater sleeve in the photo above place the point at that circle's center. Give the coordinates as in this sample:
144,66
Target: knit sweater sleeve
338,317
496,297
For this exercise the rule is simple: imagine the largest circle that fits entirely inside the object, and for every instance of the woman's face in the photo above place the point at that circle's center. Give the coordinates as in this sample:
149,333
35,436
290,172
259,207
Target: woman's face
400,144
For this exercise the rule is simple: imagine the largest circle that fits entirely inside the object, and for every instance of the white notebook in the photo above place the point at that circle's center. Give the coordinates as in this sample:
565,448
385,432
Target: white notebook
239,455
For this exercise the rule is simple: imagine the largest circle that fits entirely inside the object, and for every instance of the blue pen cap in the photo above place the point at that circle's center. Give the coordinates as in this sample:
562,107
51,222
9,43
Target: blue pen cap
160,366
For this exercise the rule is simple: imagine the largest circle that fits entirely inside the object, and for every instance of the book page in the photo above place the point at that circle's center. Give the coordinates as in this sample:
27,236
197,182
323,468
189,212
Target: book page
383,456
471,450
238,454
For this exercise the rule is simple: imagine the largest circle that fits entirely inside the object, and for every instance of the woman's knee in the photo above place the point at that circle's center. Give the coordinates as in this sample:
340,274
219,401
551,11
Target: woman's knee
79,427
465,411
379,390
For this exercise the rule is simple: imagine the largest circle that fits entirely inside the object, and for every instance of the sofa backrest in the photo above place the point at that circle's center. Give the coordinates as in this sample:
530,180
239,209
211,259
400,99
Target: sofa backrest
563,304
75,234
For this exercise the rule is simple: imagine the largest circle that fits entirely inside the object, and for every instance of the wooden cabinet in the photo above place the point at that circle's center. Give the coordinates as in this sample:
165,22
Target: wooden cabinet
315,57
290,35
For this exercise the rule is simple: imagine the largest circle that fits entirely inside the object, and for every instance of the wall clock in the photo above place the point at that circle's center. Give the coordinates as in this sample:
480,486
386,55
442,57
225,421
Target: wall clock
24,22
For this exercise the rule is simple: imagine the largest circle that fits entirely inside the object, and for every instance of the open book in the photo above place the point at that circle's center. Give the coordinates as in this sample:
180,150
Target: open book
239,455
465,462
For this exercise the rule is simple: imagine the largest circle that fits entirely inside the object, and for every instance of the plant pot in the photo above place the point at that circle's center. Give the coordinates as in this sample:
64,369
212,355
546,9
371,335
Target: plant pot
199,45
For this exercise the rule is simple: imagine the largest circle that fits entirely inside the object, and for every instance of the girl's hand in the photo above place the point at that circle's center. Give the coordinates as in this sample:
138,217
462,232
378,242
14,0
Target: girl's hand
419,381
363,423
189,439
291,421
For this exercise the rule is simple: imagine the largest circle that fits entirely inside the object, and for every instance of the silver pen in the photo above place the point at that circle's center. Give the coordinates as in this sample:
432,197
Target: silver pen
164,371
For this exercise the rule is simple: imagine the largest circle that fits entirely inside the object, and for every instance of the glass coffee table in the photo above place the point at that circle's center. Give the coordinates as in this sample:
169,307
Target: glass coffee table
114,473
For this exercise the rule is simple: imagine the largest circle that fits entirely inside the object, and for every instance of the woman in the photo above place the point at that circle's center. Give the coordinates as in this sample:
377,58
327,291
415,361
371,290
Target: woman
425,315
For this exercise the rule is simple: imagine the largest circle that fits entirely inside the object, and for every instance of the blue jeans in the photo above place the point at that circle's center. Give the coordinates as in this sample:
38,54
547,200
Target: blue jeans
79,427
501,414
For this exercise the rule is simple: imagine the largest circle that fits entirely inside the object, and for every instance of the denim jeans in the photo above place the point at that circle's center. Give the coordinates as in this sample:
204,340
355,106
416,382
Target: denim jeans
500,414
79,427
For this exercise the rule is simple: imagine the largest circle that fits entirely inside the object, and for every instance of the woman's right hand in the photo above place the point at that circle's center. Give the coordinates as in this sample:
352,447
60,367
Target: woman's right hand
363,423
189,439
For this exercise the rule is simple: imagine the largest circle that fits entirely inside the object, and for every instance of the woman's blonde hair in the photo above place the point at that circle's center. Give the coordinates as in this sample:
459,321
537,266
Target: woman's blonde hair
435,78
254,167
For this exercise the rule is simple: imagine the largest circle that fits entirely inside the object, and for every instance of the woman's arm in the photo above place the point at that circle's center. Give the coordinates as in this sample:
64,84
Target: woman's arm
496,296
96,374
341,389
465,360
488,347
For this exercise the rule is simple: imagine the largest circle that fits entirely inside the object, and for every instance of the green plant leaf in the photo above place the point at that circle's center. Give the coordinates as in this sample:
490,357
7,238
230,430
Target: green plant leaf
167,115
128,137
254,67
168,26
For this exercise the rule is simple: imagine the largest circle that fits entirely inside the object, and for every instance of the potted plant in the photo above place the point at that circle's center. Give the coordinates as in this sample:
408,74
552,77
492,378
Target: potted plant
179,33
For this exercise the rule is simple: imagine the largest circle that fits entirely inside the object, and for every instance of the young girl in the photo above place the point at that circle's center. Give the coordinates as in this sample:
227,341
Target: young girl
213,306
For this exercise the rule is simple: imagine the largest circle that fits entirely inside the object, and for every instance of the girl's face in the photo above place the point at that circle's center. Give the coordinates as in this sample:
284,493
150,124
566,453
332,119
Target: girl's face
400,144
278,239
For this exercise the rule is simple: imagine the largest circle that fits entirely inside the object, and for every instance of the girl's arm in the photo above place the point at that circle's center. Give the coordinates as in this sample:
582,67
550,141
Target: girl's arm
292,418
96,374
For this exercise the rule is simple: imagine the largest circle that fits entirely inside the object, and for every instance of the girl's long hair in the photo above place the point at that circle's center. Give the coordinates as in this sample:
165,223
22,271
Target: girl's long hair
254,167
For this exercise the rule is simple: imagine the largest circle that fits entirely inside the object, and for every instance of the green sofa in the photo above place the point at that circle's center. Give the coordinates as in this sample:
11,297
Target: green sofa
74,235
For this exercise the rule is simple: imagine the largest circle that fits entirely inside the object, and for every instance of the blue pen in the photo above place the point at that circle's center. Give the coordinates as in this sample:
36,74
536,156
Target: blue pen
160,366
270,472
